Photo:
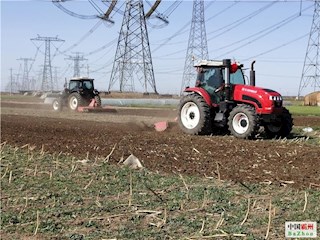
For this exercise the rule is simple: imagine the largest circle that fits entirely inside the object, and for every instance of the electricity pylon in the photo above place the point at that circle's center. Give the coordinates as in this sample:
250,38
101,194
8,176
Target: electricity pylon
133,56
13,85
310,73
76,63
197,44
47,81
25,84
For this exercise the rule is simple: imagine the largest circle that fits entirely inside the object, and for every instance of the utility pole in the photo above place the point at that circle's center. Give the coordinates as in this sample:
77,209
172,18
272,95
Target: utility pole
47,80
310,73
133,56
197,44
25,84
76,63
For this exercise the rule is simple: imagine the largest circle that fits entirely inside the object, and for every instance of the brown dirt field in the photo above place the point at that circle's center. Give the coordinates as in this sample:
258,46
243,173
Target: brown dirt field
130,131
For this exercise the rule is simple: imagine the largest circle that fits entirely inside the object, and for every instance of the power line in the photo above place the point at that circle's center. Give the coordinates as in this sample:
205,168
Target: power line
86,35
269,30
184,29
101,15
276,48
240,21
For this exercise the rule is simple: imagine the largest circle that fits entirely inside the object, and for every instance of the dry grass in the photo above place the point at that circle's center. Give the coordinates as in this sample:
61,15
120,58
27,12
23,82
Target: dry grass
60,197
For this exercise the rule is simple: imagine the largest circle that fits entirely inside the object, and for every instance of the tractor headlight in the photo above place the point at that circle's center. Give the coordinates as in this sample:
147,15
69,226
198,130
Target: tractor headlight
275,98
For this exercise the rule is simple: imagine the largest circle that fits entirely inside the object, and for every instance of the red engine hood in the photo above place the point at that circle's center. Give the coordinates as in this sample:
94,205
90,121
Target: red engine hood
266,101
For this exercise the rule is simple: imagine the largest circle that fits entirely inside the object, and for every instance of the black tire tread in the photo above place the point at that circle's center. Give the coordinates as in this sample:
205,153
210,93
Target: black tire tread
253,121
286,128
205,124
81,100
98,100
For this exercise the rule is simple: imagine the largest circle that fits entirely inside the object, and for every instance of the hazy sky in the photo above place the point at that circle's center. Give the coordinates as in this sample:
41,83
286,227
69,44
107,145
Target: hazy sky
274,33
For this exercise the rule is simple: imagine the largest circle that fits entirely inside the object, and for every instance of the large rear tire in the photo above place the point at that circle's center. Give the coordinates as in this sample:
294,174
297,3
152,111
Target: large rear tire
194,115
243,122
75,100
280,129
98,100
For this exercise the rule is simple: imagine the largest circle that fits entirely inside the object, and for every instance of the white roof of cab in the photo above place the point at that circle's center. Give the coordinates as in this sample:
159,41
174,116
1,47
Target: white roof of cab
81,78
209,63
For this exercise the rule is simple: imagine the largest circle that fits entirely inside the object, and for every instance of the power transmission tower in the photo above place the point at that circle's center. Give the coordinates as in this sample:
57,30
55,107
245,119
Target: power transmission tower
47,80
55,77
10,86
25,85
11,81
133,56
76,63
197,45
310,73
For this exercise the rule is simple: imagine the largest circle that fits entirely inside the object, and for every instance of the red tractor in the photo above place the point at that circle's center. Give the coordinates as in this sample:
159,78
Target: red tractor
221,100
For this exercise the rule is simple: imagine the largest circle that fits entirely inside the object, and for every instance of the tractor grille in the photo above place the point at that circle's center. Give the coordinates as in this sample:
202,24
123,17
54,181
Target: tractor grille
277,103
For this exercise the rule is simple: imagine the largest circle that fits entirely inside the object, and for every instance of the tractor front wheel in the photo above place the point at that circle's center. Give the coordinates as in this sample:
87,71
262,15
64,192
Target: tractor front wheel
281,128
75,100
243,121
194,115
57,105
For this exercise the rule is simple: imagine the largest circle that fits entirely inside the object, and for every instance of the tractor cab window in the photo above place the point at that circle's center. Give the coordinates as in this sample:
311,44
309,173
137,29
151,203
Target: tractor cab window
87,85
73,85
237,77
210,77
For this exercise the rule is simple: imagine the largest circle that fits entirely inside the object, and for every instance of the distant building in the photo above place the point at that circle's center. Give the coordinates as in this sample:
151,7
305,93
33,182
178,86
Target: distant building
312,99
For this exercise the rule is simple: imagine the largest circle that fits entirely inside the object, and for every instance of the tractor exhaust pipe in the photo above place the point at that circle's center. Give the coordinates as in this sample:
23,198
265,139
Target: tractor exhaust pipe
252,74
227,64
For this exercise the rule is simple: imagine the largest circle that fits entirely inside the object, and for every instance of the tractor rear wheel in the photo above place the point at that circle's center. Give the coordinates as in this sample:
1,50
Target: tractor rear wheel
280,129
57,104
243,121
75,100
98,100
194,115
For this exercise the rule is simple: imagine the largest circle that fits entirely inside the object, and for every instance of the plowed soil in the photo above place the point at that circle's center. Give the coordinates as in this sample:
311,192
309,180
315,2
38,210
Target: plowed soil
130,131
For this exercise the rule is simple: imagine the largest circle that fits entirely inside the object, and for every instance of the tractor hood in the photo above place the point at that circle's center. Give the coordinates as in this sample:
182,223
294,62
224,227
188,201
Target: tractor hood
265,101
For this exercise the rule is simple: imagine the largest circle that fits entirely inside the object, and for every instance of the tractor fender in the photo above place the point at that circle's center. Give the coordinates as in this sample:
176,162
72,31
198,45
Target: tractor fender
201,92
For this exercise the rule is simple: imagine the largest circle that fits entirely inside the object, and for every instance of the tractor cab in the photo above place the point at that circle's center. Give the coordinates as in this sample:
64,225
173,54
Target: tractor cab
79,84
211,76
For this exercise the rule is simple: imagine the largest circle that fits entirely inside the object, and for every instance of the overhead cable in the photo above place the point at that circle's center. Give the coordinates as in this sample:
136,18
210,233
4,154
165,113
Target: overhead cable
240,21
274,28
276,48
